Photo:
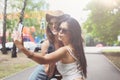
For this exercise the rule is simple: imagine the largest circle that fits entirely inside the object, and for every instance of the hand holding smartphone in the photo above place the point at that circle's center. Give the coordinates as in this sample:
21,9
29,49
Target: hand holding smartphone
20,28
17,32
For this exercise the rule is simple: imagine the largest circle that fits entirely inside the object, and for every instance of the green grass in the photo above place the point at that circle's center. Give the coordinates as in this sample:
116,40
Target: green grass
114,51
11,69
113,56
9,66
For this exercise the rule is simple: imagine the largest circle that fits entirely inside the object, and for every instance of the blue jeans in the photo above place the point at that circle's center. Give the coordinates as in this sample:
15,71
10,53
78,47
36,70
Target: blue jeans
39,74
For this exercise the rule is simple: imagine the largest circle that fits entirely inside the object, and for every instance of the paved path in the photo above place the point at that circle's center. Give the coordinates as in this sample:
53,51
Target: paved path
99,68
23,75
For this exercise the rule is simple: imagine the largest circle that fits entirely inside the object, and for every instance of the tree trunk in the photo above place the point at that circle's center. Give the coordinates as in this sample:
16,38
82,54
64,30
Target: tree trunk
4,51
14,52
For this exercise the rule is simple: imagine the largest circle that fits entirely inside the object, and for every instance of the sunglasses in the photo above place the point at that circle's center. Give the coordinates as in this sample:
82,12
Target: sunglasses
51,24
63,30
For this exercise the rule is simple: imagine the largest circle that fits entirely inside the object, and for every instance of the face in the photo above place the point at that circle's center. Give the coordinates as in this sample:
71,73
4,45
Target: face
64,33
53,25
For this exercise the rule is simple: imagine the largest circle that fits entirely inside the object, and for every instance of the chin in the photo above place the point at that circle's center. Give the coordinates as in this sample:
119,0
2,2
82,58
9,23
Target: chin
59,39
54,33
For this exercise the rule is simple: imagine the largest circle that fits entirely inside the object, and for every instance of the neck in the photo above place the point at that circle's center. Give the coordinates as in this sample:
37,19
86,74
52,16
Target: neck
57,43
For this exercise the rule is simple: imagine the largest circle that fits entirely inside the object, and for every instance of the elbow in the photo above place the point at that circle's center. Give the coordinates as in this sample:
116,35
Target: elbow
42,61
46,62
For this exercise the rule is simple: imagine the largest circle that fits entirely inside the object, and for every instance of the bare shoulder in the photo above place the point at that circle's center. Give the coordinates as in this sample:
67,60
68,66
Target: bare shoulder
57,54
62,49
61,52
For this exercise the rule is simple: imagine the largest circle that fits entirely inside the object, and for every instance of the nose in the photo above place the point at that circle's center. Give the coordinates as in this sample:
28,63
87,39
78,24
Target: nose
54,26
60,32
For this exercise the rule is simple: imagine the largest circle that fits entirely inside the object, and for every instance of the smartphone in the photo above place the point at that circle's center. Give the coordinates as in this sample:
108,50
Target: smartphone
20,28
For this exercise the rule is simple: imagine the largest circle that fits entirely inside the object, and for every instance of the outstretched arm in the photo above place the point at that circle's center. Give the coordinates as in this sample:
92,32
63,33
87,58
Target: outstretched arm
48,58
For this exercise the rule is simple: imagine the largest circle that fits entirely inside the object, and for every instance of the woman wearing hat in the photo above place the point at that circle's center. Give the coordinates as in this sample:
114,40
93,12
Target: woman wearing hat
70,59
45,72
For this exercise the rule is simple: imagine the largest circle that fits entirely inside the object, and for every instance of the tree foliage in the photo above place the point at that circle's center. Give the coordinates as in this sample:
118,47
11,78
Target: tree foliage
36,5
103,21
33,13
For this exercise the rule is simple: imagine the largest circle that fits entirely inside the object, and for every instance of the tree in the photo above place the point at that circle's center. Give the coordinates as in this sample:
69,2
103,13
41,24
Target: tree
4,29
103,21
14,53
34,12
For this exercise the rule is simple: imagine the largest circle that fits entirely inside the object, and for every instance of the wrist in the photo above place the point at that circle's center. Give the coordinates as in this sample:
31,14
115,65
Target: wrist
30,55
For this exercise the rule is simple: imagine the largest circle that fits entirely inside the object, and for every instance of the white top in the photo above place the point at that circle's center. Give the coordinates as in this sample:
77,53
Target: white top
69,71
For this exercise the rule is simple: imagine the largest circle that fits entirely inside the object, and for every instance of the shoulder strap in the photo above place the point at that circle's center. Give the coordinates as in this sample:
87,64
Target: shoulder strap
71,53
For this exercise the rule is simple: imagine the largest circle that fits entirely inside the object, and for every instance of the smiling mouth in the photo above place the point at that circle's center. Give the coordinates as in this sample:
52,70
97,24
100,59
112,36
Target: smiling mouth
59,38
54,32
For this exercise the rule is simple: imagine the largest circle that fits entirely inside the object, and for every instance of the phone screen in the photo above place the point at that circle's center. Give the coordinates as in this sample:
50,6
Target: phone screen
20,27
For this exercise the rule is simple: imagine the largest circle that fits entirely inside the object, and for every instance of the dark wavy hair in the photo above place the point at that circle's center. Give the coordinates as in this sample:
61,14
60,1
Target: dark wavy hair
77,43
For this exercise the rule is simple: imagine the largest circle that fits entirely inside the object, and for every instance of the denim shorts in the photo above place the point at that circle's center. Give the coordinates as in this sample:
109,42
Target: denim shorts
39,74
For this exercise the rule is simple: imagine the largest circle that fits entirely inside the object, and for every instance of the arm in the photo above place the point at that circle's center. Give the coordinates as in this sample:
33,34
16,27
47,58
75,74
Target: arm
48,58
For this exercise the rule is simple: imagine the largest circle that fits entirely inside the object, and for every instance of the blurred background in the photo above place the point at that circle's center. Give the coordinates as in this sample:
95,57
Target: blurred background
99,19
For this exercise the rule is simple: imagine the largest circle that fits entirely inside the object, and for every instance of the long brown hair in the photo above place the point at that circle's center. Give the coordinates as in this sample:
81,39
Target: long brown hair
77,43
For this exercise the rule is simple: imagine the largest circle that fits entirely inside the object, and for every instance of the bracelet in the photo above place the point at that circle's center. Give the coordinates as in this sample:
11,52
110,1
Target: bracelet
31,55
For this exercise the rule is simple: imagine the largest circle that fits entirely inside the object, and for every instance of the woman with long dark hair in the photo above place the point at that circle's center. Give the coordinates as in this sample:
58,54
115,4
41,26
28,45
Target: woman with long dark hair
48,71
70,59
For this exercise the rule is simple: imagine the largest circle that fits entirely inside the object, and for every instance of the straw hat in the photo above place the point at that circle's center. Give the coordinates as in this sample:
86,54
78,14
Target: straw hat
53,14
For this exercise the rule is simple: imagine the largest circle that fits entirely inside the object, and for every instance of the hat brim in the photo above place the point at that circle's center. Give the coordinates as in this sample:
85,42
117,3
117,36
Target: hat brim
49,17
53,14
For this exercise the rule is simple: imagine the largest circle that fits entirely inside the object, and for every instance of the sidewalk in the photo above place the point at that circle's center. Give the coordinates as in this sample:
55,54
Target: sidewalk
23,75
99,68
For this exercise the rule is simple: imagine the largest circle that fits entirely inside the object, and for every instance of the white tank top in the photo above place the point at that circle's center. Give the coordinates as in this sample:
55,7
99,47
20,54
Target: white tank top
69,71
